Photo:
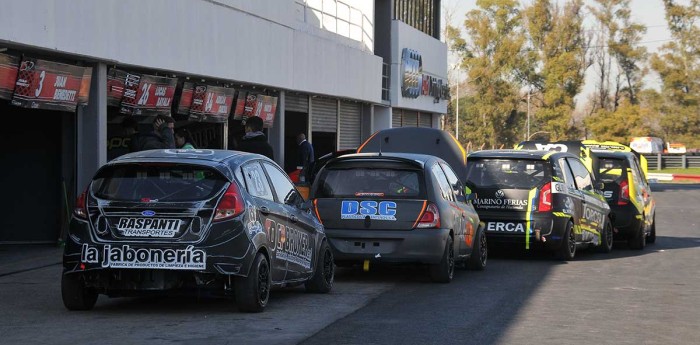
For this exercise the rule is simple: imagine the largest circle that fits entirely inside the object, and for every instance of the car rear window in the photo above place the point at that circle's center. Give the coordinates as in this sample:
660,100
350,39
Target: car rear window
367,182
157,182
611,169
508,173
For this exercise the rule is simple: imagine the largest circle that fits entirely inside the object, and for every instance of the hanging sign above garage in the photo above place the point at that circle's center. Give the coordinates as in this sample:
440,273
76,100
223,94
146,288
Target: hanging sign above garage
8,75
206,103
140,94
254,104
51,85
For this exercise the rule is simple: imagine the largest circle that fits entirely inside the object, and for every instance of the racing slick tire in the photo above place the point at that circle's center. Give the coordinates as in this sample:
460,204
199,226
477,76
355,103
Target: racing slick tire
253,292
639,241
567,250
477,261
322,280
76,296
444,271
652,234
606,239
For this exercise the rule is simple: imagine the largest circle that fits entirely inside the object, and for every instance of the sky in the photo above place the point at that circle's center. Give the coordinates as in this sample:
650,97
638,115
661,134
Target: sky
648,12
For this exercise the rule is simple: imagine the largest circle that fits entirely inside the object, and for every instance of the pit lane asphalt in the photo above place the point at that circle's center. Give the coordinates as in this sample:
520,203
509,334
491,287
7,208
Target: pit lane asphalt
625,297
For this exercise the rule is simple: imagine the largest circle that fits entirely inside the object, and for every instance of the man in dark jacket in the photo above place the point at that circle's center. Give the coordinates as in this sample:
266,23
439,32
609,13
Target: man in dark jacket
160,138
254,140
306,157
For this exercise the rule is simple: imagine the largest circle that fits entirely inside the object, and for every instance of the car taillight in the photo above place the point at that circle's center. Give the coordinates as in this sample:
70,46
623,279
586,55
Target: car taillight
80,209
230,205
545,203
430,218
624,194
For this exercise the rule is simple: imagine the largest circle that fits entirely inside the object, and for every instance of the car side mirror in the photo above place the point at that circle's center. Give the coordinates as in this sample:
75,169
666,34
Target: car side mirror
306,206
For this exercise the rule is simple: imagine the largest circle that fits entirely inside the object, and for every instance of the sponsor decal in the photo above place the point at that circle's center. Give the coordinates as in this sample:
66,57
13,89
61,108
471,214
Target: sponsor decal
559,187
608,194
505,227
568,205
160,258
148,227
500,204
289,244
552,147
384,210
369,194
500,194
148,213
593,215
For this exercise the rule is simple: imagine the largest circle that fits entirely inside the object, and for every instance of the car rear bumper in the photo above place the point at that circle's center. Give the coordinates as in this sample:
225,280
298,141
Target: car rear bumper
627,221
396,246
149,265
546,230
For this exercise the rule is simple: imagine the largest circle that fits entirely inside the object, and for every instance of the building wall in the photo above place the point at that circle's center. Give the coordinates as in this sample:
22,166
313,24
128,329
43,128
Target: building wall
261,42
434,56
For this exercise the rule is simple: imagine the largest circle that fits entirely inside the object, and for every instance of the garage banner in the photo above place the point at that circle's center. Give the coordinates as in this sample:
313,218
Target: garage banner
267,109
8,75
140,94
51,85
206,103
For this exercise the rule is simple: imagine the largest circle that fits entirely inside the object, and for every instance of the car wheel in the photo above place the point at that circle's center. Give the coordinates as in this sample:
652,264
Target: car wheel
445,270
567,250
652,234
477,261
606,238
324,274
76,296
253,292
639,241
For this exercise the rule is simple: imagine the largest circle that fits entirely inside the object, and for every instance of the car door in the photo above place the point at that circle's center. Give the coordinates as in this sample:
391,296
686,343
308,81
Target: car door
469,217
265,211
594,205
300,240
450,211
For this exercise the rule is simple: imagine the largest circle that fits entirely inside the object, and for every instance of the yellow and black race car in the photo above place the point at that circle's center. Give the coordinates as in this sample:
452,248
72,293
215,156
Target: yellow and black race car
623,172
539,199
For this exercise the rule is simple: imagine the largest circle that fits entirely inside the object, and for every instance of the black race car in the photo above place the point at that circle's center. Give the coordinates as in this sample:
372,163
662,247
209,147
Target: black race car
547,200
217,221
630,198
398,208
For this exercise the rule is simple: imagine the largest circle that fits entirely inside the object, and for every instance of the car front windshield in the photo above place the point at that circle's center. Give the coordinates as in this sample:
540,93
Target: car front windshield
154,182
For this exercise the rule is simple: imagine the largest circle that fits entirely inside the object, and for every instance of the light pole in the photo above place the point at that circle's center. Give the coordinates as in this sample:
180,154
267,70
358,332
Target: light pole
528,113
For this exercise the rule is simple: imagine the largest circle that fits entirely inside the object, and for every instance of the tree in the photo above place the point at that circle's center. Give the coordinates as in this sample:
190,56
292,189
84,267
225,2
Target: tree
678,65
492,59
557,63
618,47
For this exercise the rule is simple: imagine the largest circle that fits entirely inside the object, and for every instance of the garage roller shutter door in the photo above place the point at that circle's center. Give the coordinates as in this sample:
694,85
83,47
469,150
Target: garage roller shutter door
296,102
350,134
410,119
324,115
425,120
395,118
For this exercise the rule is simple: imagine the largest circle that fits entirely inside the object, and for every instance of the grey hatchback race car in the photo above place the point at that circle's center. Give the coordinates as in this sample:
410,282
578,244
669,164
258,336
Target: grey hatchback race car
398,208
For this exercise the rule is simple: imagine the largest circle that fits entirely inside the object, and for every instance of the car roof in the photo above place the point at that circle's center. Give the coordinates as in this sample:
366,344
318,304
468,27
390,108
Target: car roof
519,154
214,158
417,158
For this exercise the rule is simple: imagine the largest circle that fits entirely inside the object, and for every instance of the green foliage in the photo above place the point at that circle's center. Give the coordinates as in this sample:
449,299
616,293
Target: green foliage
678,65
